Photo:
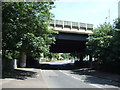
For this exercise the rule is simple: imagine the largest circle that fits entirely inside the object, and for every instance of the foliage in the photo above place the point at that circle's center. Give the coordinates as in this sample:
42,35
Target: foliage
78,55
51,55
65,55
104,43
116,40
117,23
99,43
12,53
25,27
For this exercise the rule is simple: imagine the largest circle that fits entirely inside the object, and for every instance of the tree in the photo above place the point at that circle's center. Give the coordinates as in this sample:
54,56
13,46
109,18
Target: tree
51,55
104,44
99,43
25,27
66,55
117,23
116,40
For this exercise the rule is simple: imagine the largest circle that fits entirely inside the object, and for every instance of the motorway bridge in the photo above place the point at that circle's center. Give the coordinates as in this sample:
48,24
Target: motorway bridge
72,36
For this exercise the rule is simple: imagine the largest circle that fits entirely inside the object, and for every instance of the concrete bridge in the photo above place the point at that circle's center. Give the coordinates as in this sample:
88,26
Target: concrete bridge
71,27
72,36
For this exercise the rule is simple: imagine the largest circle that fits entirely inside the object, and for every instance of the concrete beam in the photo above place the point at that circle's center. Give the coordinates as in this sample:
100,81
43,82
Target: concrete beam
68,30
71,25
68,36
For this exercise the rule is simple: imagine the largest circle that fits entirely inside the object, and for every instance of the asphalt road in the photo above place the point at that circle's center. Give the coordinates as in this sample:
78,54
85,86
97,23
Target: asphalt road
68,79
53,77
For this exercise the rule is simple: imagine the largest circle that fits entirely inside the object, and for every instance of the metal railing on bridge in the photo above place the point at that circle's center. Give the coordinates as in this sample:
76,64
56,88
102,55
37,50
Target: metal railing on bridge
71,25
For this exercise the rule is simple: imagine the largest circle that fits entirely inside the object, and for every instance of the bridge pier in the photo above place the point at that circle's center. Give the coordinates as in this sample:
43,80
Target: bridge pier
22,60
81,58
90,61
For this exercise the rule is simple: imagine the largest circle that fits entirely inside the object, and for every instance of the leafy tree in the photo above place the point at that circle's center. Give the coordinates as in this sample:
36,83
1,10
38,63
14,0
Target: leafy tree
66,55
25,27
104,44
99,43
51,55
115,46
117,23
78,55
116,40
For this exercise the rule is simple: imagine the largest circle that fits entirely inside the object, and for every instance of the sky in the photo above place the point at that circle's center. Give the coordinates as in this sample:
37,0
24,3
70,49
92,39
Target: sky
95,12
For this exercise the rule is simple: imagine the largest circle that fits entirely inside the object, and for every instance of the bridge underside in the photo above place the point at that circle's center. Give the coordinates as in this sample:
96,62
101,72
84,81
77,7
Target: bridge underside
67,46
68,43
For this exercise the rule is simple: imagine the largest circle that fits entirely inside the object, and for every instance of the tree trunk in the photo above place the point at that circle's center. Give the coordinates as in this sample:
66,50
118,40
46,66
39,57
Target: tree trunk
22,61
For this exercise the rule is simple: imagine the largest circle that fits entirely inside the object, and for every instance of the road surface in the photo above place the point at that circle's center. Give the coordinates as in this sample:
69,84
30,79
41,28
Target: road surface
68,79
51,77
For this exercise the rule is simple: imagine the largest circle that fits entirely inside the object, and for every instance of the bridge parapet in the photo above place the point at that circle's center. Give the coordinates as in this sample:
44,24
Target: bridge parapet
71,25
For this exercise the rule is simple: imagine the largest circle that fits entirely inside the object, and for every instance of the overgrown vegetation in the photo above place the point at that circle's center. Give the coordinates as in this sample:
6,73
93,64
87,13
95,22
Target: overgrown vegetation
104,45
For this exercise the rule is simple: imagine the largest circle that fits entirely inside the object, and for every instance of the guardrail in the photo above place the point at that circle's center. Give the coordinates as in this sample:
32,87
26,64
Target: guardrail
71,25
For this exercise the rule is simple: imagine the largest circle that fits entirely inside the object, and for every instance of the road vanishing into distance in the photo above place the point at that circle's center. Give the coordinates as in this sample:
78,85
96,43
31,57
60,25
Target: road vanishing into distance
69,79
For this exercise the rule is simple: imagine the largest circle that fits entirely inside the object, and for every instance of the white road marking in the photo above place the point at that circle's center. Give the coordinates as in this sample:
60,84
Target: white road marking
79,79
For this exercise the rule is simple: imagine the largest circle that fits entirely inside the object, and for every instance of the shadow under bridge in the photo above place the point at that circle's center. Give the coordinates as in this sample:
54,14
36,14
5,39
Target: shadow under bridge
69,43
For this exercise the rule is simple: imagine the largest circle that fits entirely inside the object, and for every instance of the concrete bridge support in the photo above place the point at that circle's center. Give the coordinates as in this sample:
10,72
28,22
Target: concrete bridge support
81,58
90,61
22,61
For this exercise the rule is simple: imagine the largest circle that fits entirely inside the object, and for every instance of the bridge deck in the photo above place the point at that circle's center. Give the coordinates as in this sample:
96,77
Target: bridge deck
71,27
